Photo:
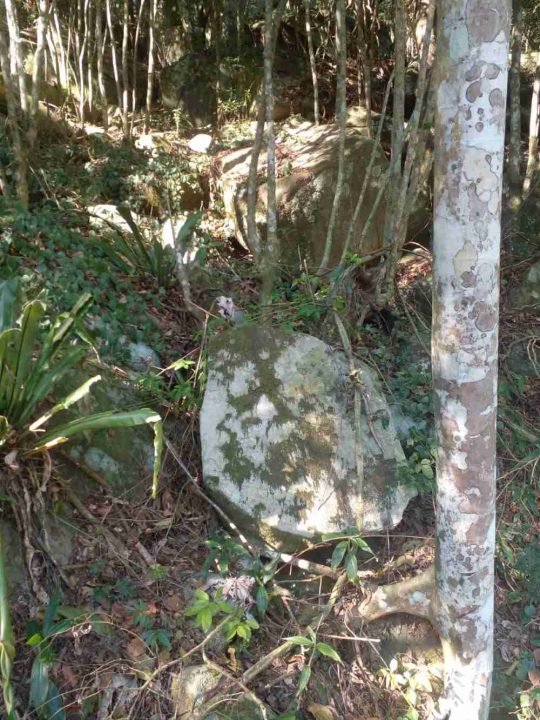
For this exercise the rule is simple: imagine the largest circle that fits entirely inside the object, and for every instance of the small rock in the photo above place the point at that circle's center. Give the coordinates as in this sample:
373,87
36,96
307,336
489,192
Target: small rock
191,688
142,357
527,294
200,143
107,216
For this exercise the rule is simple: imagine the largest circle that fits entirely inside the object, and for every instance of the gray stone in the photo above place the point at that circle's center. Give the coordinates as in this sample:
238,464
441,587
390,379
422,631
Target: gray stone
527,294
142,357
107,216
169,233
192,687
306,182
278,439
200,143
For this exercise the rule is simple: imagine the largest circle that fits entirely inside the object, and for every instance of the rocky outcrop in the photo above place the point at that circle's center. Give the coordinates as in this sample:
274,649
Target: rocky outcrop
279,444
307,173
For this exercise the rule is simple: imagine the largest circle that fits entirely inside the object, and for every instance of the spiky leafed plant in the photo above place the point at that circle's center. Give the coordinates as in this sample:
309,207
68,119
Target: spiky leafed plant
33,363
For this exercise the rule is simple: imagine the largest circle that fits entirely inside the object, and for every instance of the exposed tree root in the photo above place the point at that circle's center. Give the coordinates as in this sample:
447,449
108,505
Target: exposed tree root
415,596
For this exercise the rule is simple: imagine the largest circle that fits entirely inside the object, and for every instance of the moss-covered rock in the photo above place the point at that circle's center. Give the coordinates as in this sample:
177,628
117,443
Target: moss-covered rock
278,439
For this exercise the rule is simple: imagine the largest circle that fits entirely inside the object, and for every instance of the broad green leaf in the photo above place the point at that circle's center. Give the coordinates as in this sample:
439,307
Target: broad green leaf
35,639
106,420
10,302
351,565
362,545
205,618
54,707
244,631
39,683
328,651
339,553
202,595
66,403
261,599
300,640
303,679
23,353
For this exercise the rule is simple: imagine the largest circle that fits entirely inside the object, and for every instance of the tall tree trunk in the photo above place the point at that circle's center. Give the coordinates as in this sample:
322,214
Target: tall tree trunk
473,44
364,64
469,161
114,57
514,140
398,119
341,118
135,64
270,254
37,70
534,131
151,60
100,43
19,150
90,48
251,215
312,64
125,70
15,50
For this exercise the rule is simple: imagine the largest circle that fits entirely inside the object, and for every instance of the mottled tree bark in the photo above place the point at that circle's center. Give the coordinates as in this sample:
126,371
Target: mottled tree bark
312,63
534,131
514,140
469,154
473,44
341,118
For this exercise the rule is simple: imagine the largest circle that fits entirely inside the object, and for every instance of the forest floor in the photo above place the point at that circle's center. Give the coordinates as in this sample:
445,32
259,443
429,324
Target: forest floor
125,633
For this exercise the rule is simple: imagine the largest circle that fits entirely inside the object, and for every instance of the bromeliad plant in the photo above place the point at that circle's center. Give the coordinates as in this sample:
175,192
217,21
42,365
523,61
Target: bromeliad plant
31,371
33,363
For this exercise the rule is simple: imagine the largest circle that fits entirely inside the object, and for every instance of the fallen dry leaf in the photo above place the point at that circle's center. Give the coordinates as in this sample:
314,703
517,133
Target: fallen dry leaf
322,712
536,654
173,603
69,675
534,677
135,648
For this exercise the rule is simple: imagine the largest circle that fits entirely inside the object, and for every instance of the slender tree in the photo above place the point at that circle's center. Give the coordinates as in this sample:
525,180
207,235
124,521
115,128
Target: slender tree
114,57
514,139
125,69
457,595
100,43
37,69
534,132
151,61
312,63
364,63
341,119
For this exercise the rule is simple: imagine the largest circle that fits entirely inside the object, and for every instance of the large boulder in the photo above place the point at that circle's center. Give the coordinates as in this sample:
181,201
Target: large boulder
278,439
307,172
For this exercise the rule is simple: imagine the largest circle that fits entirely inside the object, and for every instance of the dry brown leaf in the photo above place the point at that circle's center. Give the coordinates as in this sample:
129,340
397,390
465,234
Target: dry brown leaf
322,712
173,603
69,675
135,648
534,677
536,654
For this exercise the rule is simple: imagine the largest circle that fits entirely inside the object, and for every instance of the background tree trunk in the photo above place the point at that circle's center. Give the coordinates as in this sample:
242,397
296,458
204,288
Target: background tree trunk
534,131
514,140
125,70
37,70
469,161
15,52
151,61
312,64
341,119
